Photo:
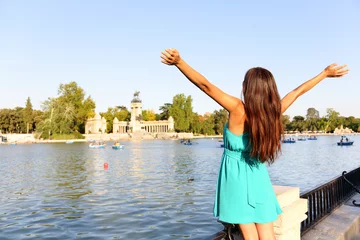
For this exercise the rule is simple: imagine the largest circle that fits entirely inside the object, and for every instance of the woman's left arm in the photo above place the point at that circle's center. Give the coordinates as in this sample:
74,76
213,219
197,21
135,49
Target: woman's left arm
230,103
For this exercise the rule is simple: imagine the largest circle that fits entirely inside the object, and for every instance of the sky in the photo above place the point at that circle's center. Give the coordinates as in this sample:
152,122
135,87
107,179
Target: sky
112,49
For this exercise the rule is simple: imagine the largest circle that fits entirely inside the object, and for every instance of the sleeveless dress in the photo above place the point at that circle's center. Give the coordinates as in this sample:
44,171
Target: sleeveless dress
244,192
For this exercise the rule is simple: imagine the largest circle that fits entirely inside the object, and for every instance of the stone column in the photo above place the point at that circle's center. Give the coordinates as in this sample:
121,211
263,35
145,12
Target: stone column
287,226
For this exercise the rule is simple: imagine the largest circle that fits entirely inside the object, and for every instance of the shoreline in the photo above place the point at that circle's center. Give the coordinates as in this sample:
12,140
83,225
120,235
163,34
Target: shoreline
107,139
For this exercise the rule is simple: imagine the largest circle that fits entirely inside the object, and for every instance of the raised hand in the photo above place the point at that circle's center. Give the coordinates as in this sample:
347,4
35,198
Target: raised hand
334,70
170,56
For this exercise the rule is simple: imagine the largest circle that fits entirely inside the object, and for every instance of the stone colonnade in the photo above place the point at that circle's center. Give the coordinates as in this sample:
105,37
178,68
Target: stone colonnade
156,128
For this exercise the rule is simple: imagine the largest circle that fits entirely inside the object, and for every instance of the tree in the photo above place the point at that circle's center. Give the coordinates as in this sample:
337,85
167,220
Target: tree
286,122
59,117
298,123
181,111
148,115
121,113
165,111
195,124
333,119
28,115
72,94
312,113
312,117
220,118
207,124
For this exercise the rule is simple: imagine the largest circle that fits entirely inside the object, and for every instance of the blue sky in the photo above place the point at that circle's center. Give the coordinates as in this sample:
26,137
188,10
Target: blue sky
112,48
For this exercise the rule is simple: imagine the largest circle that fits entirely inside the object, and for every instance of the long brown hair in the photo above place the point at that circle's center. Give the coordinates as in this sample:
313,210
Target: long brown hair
263,114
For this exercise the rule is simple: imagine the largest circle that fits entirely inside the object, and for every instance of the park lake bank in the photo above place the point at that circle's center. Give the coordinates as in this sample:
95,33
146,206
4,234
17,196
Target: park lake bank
31,139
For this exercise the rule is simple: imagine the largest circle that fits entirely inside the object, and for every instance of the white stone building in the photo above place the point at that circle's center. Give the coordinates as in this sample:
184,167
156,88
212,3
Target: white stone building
96,124
136,123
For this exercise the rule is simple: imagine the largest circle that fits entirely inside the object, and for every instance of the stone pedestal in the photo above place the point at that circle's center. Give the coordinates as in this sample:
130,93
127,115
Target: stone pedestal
287,226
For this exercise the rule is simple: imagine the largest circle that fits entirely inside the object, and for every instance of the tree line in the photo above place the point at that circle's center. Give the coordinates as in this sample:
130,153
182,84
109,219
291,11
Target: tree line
65,116
313,122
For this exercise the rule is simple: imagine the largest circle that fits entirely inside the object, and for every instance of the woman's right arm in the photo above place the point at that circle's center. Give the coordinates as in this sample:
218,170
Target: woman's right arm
331,71
230,103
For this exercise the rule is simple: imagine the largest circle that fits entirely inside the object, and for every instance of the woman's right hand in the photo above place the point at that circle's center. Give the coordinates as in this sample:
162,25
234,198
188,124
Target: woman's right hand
334,70
170,56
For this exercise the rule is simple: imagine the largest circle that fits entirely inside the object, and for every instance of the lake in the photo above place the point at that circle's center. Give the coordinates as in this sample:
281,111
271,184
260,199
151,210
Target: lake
63,191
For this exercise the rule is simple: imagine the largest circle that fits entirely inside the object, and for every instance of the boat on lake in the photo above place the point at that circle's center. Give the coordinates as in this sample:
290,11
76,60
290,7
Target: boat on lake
301,139
117,146
312,138
289,140
97,145
345,141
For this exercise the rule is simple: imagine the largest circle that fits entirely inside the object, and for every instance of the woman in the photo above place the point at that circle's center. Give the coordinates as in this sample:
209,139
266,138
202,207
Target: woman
252,136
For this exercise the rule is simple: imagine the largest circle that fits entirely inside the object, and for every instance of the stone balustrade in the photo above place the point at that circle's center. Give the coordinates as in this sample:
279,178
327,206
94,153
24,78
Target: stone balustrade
287,226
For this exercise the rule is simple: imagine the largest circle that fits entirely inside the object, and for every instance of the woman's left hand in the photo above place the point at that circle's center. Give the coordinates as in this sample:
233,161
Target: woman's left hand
170,56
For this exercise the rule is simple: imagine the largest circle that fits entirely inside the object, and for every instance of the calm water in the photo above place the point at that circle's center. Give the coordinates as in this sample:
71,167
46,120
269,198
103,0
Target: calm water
60,191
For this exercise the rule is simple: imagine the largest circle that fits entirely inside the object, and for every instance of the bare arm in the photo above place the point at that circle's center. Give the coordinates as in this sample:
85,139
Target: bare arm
230,103
331,71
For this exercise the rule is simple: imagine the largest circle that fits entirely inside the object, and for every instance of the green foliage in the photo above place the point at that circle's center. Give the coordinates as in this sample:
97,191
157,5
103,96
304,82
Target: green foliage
220,118
285,121
74,95
74,135
28,115
148,115
120,112
312,117
165,111
333,120
314,122
68,112
195,124
208,125
12,120
181,111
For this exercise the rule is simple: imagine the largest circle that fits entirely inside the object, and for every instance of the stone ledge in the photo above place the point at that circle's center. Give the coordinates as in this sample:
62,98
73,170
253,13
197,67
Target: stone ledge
342,224
286,195
292,216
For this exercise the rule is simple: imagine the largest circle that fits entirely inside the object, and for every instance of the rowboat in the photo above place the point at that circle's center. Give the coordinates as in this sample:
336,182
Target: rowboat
345,141
117,146
96,146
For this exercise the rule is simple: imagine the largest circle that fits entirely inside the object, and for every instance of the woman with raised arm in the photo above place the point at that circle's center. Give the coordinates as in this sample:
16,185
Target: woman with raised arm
252,136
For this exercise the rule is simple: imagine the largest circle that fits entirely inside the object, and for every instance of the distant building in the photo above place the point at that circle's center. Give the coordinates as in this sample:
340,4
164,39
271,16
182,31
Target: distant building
136,124
96,124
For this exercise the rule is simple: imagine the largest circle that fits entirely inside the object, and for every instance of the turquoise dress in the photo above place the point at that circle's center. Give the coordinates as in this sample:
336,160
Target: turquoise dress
244,192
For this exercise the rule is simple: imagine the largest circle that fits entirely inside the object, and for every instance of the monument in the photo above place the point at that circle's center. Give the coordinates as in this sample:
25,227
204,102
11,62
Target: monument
137,124
96,124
